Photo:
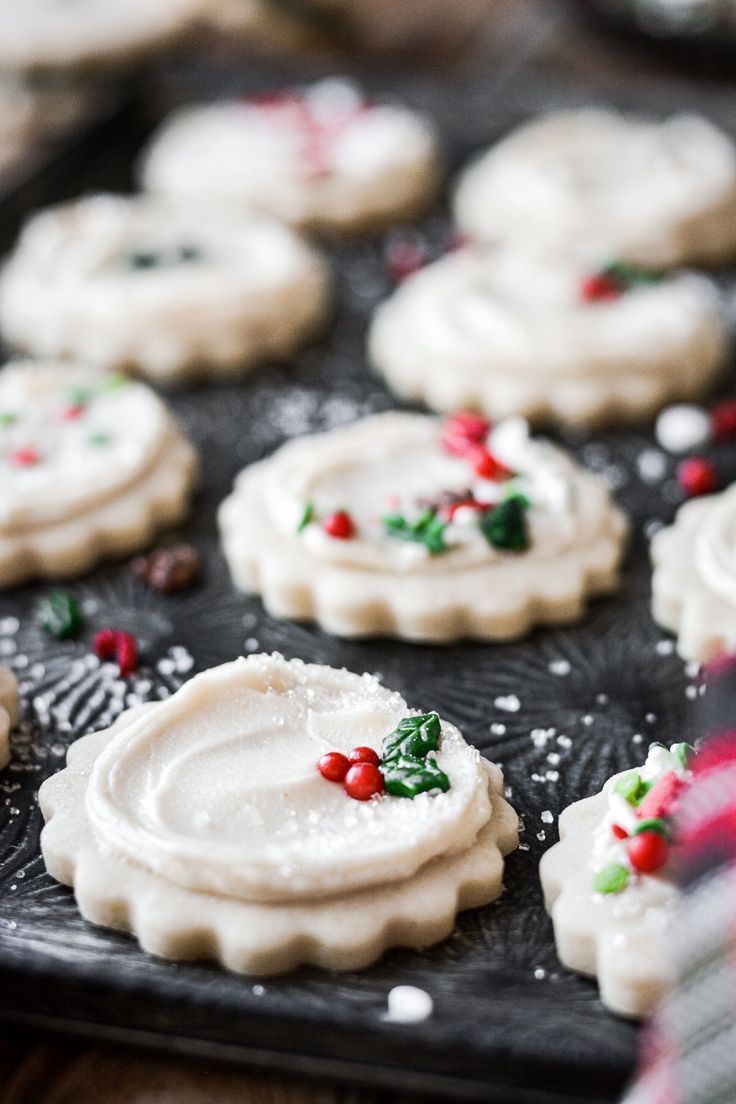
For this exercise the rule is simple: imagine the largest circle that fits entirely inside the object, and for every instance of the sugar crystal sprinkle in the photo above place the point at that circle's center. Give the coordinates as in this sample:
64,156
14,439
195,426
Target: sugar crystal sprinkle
407,1004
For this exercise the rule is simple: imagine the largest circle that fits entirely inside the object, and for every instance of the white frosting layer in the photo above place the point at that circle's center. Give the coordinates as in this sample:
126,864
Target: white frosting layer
607,185
211,287
217,788
509,311
50,32
289,158
395,463
715,547
90,437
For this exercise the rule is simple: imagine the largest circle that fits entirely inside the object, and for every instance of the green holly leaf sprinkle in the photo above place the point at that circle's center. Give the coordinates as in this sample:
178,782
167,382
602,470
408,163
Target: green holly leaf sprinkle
611,878
627,276
7,420
99,439
632,787
58,615
414,737
505,525
651,824
307,517
682,754
427,530
408,776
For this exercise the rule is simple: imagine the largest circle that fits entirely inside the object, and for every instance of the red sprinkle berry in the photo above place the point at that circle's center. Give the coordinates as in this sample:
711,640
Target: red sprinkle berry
339,525
70,413
723,420
485,465
126,653
647,852
697,476
461,431
333,766
660,800
403,259
598,289
25,457
362,781
618,831
103,643
364,755
111,643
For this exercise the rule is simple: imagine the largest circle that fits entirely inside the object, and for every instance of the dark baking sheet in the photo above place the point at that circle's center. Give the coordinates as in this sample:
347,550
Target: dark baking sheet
508,1020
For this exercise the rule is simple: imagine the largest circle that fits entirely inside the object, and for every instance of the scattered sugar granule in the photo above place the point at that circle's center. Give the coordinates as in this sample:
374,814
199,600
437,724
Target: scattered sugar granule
407,1004
546,817
651,465
509,703
560,667
682,427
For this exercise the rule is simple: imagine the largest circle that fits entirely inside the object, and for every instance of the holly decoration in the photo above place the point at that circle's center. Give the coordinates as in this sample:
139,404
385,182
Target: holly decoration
428,530
615,279
141,259
648,842
405,768
339,525
460,432
505,525
58,615
117,645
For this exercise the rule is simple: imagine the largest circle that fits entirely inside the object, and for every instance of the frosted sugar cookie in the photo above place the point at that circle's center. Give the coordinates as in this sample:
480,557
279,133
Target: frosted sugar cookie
216,823
694,579
323,158
168,291
52,34
8,709
608,185
399,525
606,883
507,332
91,466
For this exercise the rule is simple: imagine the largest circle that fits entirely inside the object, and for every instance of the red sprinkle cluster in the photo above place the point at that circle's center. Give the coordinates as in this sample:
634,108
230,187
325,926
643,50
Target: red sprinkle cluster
649,850
599,288
25,457
465,435
358,772
697,476
723,420
117,645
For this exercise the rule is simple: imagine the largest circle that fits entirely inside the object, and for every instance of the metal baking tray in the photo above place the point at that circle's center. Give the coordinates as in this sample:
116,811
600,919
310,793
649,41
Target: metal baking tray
559,711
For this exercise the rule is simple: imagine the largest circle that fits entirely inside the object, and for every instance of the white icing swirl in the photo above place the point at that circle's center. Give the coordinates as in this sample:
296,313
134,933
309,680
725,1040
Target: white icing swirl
605,184
69,439
217,788
715,547
396,464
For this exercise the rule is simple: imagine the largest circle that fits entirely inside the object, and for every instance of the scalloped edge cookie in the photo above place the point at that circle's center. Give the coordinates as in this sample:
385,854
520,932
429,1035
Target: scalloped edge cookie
494,602
702,619
8,711
125,523
590,387
629,963
345,933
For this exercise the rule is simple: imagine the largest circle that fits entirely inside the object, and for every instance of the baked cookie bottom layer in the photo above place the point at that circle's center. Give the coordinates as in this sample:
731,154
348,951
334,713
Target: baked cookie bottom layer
620,939
343,933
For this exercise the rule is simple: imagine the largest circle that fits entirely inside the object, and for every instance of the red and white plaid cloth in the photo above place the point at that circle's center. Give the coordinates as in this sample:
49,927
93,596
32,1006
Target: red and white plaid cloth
688,1053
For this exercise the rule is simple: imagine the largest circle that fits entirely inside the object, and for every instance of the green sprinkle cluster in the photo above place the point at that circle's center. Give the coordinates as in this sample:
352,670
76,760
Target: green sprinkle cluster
428,530
505,525
627,276
58,615
408,762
